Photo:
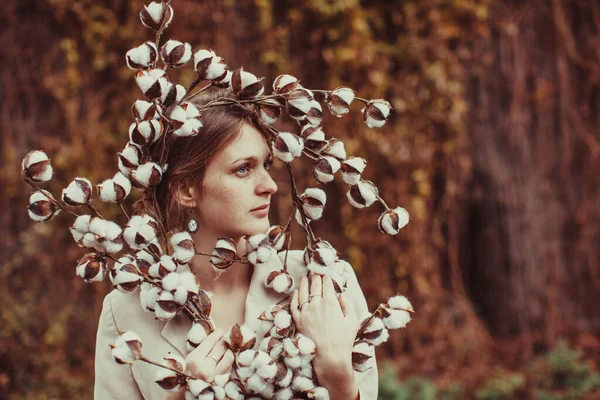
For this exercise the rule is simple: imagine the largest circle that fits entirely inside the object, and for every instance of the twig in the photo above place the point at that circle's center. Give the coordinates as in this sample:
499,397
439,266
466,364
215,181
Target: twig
189,96
52,200
90,205
383,203
144,359
124,212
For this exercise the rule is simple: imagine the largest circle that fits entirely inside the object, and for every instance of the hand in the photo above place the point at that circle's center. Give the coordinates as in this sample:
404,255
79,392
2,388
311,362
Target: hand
210,358
332,324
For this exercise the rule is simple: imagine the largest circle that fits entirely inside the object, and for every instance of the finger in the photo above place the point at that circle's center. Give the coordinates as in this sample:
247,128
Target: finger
347,308
328,289
218,350
225,364
294,306
316,285
303,290
207,344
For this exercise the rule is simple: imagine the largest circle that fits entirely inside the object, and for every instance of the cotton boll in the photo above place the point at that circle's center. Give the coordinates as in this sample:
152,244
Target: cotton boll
293,362
305,345
244,373
245,358
400,303
283,319
397,319
170,281
284,394
301,383
255,384
267,371
196,335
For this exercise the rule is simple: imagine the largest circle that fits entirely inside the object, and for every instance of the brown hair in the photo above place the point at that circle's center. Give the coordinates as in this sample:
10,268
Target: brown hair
188,157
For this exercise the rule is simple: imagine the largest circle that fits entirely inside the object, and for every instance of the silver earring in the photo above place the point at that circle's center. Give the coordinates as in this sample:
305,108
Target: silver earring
192,225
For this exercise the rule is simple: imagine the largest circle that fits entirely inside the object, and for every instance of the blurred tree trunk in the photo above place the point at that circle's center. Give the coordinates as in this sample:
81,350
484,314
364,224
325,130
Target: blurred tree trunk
530,252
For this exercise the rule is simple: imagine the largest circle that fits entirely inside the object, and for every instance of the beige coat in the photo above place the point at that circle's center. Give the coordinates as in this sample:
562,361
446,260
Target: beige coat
122,312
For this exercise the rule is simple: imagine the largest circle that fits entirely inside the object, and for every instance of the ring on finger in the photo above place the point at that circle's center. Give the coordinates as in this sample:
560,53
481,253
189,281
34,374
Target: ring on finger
300,305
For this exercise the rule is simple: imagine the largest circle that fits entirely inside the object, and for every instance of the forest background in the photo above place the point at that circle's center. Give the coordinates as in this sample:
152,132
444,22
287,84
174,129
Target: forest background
493,148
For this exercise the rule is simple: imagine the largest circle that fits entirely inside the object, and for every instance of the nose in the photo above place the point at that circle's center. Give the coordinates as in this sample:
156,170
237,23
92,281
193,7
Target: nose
266,185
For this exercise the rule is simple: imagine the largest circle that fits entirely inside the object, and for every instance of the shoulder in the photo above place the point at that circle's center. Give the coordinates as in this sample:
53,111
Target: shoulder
127,313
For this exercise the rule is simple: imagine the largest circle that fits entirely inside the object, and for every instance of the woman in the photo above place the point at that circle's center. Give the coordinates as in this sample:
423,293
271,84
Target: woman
221,178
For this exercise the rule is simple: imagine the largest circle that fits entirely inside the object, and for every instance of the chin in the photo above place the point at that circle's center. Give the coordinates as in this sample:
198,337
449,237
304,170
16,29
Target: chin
260,226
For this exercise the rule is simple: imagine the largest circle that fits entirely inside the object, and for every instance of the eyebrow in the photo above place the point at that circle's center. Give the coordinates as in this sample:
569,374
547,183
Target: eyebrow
251,158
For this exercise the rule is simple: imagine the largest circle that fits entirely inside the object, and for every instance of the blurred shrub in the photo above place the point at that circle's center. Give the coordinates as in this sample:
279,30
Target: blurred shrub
502,386
414,388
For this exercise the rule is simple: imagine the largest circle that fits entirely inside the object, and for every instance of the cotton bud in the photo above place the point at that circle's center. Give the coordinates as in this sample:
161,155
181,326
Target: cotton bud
222,379
126,277
234,389
335,148
78,193
396,314
272,346
352,169
224,83
246,85
166,306
224,253
140,231
163,267
362,194
36,166
245,358
339,100
314,138
391,221
170,281
376,113
80,227
240,338
255,384
284,394
143,56
127,348
143,110
270,111
42,206
287,146
146,175
400,303
281,282
172,94
283,319
144,260
313,202
324,169
183,247
209,65
153,83
285,83
301,105
187,288
156,15
278,237
199,388
92,267
114,190
267,371
302,384
318,393
129,158
185,119
167,378
361,354
148,296
146,132
197,334
375,332
175,54
104,229
305,345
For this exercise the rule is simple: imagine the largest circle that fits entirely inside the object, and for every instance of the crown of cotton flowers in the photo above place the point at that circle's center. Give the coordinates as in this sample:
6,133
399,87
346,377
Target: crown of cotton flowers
144,259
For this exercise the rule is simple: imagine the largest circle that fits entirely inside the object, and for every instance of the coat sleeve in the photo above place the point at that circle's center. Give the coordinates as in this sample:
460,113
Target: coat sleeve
113,381
368,381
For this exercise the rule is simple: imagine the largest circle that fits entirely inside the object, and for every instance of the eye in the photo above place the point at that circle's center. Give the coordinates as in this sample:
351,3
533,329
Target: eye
268,164
243,170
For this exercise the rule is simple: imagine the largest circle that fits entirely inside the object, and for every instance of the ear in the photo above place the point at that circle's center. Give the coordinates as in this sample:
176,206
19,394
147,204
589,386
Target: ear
187,196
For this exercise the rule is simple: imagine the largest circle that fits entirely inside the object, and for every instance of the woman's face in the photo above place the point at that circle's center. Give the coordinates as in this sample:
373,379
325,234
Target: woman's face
237,187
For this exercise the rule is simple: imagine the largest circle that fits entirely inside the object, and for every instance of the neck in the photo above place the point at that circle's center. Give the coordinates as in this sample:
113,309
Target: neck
237,276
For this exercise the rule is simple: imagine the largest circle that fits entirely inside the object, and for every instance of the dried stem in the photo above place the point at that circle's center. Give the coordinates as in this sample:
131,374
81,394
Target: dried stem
237,260
91,206
310,236
366,323
383,203
203,89
124,212
144,359
54,201
160,220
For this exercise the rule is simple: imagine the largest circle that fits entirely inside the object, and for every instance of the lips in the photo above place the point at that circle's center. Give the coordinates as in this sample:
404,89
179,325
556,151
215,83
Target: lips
263,207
